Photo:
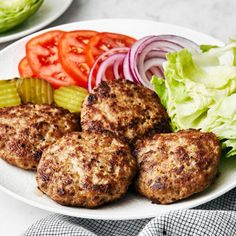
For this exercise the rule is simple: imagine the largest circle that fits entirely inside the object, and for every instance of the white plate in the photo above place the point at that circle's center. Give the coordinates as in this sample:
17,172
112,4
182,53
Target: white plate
48,12
21,184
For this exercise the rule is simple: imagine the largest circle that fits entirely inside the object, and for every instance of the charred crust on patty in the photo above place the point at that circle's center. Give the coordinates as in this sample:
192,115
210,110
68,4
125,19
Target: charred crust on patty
28,129
86,169
125,108
103,90
177,165
91,99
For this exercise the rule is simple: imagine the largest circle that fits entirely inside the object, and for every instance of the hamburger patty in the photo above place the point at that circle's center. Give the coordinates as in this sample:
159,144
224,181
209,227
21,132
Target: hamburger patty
26,130
86,169
125,108
176,165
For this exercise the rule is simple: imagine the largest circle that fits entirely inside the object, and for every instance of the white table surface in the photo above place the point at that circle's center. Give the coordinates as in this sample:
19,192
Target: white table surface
214,17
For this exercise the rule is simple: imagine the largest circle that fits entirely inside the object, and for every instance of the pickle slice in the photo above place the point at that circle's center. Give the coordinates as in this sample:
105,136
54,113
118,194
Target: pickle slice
35,91
70,97
8,94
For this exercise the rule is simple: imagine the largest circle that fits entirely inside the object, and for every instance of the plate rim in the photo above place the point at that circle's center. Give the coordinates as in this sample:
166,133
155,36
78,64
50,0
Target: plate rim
108,19
107,217
37,27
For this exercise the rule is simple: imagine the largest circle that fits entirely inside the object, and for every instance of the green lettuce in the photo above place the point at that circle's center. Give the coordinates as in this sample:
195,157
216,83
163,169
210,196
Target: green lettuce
14,12
207,47
199,91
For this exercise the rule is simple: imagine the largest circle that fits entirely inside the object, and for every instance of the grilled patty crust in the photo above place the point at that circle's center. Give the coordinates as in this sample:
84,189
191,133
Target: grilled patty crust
176,165
125,108
26,130
86,169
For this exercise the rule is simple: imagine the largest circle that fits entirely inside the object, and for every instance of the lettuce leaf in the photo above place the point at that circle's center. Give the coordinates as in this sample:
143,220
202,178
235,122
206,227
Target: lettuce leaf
207,47
14,12
199,91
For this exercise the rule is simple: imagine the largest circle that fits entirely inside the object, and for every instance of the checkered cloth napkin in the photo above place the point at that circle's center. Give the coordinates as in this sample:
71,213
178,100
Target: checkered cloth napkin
216,218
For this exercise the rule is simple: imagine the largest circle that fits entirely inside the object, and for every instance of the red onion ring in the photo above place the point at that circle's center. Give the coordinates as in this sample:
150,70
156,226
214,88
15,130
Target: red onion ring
156,71
141,62
151,47
117,66
126,71
149,74
153,62
111,60
113,57
156,53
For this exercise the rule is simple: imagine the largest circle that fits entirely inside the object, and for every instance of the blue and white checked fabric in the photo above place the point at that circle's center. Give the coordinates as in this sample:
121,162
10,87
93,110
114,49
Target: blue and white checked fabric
216,218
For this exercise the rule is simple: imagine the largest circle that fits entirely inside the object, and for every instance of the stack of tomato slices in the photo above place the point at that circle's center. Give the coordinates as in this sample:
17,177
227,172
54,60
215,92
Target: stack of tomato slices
66,58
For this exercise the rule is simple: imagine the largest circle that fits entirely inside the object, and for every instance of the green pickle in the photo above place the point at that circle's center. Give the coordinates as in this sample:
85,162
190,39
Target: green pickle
70,97
8,93
33,90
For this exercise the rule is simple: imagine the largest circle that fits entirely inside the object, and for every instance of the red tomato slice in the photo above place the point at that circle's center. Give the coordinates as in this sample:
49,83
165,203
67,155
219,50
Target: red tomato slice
72,54
42,55
24,68
103,42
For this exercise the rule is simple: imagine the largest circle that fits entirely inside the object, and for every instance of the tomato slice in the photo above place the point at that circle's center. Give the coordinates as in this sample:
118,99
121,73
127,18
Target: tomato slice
103,42
42,55
25,69
72,54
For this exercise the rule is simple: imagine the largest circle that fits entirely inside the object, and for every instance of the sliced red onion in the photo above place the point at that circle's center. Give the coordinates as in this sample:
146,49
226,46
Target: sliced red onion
186,43
153,62
113,57
149,74
156,71
126,69
156,53
116,68
149,53
154,66
141,62
111,60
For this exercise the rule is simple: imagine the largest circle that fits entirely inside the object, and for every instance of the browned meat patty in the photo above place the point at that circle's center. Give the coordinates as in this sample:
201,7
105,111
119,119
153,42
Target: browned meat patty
176,165
86,169
125,108
26,130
